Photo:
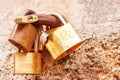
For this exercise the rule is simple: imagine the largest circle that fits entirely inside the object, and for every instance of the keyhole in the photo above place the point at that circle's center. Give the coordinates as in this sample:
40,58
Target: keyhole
30,18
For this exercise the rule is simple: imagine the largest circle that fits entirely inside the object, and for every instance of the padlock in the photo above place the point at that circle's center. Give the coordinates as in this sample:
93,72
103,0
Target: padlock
23,35
28,62
62,40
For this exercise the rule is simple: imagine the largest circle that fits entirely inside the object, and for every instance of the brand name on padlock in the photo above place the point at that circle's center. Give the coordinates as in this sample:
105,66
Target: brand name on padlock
63,34
30,65
65,38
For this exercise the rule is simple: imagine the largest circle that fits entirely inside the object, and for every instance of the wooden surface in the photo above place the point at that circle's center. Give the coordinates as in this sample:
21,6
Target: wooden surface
97,58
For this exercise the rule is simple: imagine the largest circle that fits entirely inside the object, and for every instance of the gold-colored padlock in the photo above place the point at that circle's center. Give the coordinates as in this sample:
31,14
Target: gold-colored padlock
62,40
28,62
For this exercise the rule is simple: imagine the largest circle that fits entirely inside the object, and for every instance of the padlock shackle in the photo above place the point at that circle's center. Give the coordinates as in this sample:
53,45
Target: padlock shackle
58,16
21,37
36,41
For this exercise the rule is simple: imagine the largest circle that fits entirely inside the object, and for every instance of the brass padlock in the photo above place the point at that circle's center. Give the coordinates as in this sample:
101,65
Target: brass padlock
62,40
28,62
23,35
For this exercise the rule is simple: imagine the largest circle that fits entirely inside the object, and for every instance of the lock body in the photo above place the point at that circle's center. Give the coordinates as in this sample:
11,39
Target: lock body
62,40
27,63
23,36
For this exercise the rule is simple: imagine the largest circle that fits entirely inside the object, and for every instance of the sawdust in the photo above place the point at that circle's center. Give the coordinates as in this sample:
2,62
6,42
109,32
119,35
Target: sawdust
97,58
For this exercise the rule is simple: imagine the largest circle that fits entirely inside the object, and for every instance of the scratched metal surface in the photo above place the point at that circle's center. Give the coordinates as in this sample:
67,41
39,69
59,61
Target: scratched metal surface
95,20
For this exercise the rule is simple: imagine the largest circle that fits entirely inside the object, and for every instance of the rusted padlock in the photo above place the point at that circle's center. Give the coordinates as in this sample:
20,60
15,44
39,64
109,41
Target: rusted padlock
23,35
62,40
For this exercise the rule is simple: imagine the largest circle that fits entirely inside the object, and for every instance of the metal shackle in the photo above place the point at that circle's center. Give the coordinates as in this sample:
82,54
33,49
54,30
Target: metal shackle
59,17
44,35
36,44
